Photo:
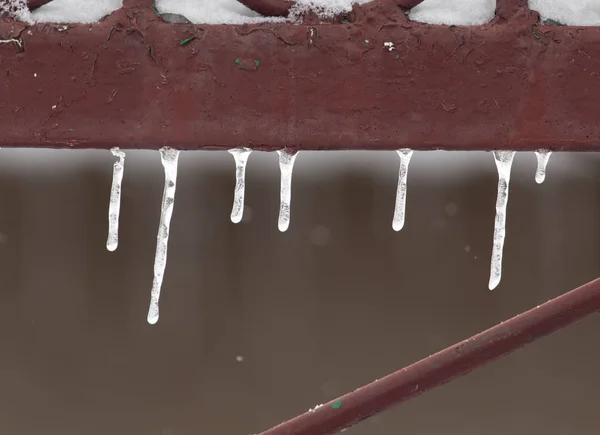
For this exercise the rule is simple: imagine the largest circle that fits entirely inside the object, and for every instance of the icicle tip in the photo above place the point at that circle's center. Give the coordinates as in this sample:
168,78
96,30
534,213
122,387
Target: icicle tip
152,318
494,281
397,226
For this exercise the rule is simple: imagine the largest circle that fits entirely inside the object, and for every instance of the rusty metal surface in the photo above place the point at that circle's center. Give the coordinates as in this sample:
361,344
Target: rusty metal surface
446,365
134,81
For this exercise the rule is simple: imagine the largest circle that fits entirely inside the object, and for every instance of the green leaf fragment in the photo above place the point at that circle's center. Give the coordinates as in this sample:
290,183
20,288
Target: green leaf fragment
237,61
337,404
187,41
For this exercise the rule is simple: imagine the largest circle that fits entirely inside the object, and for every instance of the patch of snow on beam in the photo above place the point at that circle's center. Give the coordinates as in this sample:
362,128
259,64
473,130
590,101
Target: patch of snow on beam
569,12
75,11
455,12
17,9
323,8
212,11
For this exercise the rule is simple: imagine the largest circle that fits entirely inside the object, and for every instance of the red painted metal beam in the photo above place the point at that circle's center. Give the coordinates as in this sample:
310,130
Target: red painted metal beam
137,82
444,366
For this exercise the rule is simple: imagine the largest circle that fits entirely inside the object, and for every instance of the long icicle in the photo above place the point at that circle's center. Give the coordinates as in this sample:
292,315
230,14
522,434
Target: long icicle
286,165
542,157
400,207
169,158
114,207
504,161
241,159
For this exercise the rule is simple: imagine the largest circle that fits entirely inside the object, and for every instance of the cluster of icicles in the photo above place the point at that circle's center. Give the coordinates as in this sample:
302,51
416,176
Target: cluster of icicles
169,158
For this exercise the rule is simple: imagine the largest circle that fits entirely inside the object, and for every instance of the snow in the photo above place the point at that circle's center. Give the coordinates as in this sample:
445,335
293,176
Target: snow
569,12
114,206
504,160
16,8
400,208
75,11
454,12
212,11
286,166
169,158
542,162
241,159
447,12
233,12
323,8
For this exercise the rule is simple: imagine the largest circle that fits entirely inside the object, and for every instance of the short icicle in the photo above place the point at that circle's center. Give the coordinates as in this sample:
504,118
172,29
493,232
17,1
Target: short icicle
114,206
400,207
542,162
169,158
504,161
286,165
241,159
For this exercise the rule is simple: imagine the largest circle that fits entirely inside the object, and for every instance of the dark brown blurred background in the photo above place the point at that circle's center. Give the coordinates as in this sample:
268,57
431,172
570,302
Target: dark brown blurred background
337,301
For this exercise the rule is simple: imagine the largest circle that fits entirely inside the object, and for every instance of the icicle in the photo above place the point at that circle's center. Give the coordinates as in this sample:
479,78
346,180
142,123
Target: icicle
542,161
399,209
169,158
114,206
241,158
504,161
286,165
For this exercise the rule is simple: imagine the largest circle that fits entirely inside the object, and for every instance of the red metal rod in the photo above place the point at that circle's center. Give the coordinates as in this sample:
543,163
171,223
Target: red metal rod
444,366
269,8
34,4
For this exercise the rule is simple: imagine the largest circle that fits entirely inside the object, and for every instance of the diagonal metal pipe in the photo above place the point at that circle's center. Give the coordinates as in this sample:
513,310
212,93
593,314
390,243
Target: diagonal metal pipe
269,8
446,365
34,4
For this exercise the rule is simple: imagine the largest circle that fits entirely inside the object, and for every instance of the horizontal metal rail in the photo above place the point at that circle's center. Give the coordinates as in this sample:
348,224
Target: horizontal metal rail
444,366
377,82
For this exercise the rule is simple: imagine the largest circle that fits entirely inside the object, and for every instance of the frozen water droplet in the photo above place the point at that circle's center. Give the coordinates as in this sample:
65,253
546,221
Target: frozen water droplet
241,159
542,162
504,160
169,158
286,165
400,207
114,206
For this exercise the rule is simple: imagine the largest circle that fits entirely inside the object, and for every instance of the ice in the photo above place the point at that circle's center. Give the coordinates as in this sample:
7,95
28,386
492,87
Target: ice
169,158
114,206
400,208
542,162
75,11
286,165
569,12
454,12
241,159
504,161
